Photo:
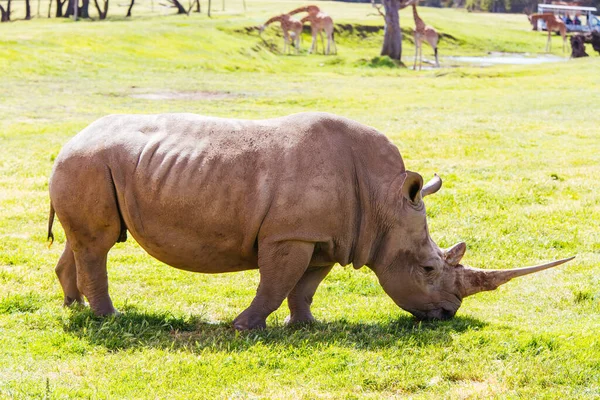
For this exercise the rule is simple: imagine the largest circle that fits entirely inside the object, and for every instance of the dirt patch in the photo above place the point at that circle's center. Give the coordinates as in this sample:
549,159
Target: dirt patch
172,95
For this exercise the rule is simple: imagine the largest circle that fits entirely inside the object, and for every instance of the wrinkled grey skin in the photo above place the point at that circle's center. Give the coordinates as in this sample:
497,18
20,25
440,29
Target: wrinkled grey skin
290,196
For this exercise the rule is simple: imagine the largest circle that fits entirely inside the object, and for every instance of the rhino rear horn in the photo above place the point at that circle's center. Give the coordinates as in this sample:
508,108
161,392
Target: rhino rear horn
432,186
479,280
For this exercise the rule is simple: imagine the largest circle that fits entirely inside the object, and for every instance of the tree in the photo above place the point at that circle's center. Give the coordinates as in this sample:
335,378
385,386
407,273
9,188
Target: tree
197,4
82,12
129,9
27,10
180,9
102,12
59,6
5,12
392,38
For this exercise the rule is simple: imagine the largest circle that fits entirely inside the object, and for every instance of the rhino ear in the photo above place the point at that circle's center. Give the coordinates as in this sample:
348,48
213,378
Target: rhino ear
454,254
411,188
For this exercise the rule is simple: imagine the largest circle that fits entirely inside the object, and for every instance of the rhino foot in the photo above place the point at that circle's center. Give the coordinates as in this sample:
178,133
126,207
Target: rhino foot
300,320
245,321
75,302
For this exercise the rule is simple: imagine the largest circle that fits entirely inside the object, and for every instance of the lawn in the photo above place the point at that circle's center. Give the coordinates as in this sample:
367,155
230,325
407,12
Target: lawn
517,147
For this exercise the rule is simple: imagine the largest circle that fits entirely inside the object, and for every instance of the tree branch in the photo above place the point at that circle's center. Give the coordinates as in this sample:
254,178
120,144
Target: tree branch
378,8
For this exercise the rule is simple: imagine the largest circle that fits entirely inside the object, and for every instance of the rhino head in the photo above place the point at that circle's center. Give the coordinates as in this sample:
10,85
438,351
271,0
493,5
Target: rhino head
423,279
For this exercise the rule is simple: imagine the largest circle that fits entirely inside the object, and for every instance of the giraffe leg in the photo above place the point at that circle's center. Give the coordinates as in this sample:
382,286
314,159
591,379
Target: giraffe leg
322,42
416,54
314,43
281,266
286,39
333,42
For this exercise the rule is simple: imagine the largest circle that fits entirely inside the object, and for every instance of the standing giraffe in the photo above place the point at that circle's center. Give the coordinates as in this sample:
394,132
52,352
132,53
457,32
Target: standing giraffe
318,23
288,24
553,23
426,32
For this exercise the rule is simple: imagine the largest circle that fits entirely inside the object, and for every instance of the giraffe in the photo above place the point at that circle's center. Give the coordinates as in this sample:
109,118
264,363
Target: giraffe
288,24
426,32
553,23
321,22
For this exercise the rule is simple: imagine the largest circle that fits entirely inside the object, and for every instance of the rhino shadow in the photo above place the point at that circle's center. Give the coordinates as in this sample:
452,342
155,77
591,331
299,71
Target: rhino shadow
142,329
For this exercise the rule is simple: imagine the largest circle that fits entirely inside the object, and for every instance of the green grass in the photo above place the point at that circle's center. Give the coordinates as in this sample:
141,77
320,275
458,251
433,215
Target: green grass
517,147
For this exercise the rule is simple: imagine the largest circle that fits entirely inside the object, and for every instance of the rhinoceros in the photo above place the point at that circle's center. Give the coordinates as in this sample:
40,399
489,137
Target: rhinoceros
289,196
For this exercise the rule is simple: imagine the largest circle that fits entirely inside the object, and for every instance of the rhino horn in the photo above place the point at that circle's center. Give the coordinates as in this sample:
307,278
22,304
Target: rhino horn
480,280
432,186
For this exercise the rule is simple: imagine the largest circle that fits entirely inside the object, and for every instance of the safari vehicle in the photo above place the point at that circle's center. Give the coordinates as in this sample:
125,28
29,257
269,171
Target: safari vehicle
576,18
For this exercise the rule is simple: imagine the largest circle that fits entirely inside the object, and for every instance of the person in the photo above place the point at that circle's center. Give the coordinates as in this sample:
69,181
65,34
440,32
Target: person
568,20
577,21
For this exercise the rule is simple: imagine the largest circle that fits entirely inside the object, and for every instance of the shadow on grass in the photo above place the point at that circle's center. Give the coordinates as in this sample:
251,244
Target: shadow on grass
136,329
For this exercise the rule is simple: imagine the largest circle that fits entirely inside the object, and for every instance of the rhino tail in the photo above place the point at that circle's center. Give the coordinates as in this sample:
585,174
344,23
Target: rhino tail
50,222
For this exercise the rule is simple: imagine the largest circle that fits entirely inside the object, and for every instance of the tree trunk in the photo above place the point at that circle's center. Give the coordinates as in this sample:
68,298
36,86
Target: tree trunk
59,6
84,10
392,38
70,7
180,8
27,10
209,2
3,16
102,13
130,7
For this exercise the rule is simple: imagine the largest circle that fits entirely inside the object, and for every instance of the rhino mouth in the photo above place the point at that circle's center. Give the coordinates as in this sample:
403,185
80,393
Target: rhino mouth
438,314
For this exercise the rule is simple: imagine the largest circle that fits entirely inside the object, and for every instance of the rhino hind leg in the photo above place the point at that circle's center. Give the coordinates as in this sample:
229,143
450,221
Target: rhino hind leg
93,280
67,276
85,203
281,265
301,297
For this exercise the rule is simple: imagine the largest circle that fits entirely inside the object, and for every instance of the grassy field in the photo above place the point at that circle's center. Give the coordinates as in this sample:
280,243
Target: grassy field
517,147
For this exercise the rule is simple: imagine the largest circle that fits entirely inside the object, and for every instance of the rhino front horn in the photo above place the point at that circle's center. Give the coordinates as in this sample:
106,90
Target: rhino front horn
480,280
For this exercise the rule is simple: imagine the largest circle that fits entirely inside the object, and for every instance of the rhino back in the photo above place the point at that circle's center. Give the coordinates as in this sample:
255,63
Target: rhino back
199,193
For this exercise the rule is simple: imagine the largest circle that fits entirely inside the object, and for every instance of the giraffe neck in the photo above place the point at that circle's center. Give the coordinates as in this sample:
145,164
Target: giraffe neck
274,19
419,24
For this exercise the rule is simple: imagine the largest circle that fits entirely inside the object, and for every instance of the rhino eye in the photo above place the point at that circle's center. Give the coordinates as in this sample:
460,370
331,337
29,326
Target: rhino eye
428,269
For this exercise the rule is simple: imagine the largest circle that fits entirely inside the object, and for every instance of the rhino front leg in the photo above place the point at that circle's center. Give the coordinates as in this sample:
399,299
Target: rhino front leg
301,297
67,276
281,265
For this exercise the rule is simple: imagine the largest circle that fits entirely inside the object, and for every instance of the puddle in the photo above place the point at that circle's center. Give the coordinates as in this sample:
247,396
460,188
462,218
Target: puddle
183,96
508,59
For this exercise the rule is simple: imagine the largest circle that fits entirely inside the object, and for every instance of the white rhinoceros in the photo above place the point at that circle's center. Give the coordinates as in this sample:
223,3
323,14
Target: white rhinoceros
290,196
